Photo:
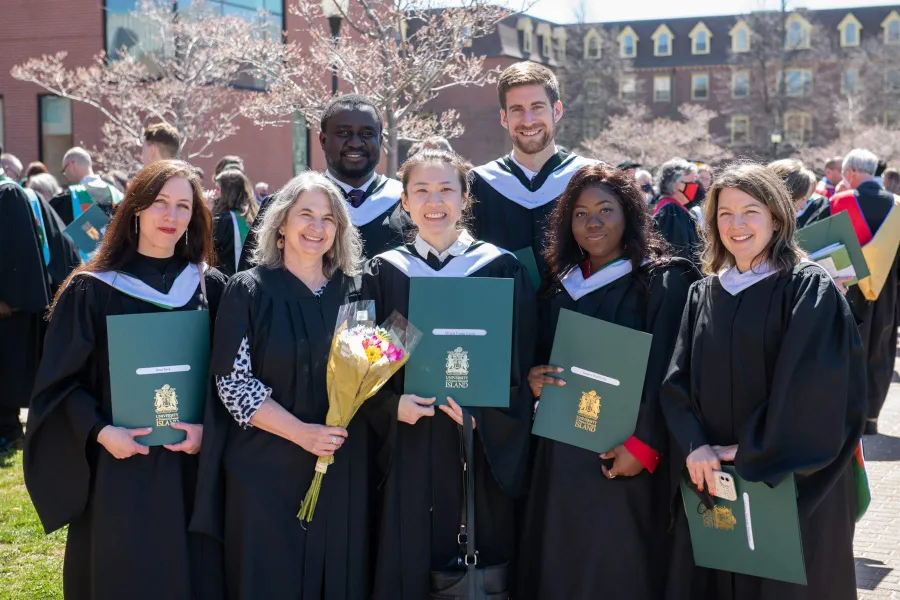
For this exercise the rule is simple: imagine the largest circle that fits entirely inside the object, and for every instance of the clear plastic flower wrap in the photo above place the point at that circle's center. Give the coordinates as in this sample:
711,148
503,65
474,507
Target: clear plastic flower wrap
362,359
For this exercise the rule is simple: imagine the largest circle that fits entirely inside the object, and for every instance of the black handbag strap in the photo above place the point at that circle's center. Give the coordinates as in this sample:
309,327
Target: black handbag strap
466,539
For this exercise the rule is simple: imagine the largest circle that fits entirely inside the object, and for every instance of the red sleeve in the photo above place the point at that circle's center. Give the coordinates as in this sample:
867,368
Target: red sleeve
644,453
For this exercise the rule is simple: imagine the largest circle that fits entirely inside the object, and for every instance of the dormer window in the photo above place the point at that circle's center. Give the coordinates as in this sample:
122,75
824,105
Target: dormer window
662,41
592,47
527,28
850,29
891,26
546,34
797,33
628,40
700,38
740,38
561,37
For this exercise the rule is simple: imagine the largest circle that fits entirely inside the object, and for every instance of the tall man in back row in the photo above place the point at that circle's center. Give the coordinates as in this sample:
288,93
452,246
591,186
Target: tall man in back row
515,193
351,133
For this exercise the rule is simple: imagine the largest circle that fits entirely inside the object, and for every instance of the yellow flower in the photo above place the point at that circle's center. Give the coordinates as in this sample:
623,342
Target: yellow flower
373,353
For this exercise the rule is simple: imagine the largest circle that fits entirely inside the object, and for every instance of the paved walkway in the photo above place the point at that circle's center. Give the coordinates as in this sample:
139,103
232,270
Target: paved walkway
877,546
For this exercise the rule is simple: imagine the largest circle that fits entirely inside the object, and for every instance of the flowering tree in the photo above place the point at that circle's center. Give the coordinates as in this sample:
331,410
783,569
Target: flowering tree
635,135
402,53
180,67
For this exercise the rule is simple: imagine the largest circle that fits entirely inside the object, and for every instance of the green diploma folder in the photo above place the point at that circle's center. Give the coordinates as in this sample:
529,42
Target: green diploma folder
87,230
158,371
526,257
605,365
836,260
830,233
466,347
757,535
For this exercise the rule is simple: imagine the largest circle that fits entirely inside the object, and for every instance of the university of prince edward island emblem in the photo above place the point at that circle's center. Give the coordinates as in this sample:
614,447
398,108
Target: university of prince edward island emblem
588,411
166,405
457,375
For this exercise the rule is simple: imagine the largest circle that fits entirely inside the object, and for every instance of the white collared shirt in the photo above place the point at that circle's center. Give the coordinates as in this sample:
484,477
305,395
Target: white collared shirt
93,180
458,248
350,188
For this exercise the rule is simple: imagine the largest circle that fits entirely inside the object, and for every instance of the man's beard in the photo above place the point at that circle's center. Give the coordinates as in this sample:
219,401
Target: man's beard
354,172
533,145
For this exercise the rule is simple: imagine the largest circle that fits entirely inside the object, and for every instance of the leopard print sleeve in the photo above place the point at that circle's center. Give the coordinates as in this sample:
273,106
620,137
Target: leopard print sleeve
240,392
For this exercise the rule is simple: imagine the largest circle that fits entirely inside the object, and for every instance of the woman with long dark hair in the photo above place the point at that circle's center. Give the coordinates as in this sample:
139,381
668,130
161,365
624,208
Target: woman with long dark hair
768,374
606,261
127,505
233,215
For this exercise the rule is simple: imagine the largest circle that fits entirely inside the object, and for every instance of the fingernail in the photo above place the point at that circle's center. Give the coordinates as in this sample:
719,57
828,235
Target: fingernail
562,382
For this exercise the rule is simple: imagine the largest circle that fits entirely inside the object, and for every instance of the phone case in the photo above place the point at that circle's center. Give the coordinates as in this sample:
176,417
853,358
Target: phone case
725,486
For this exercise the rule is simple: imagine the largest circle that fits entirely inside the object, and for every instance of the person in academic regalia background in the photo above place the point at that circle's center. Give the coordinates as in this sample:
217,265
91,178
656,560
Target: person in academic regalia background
673,218
233,215
264,432
86,188
351,136
514,194
768,372
420,449
870,207
127,505
606,261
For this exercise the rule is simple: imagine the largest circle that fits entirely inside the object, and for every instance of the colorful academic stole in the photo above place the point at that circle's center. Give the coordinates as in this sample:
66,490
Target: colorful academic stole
666,202
35,205
241,229
861,479
82,199
879,249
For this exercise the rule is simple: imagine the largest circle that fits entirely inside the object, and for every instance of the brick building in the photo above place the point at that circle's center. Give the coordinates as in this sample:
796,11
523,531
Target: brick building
730,64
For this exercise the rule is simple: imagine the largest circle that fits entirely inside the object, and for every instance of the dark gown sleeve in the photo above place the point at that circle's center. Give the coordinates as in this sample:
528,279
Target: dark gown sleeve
506,433
668,295
215,287
62,204
816,408
63,413
252,235
223,242
23,282
64,257
680,230
819,208
675,399
233,323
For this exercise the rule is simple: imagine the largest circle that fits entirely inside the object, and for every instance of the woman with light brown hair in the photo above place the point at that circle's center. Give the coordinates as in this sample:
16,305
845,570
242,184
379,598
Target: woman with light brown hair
233,215
800,181
767,374
127,505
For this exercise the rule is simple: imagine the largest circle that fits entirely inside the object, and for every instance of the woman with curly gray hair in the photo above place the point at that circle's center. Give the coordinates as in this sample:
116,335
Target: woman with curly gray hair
675,222
264,419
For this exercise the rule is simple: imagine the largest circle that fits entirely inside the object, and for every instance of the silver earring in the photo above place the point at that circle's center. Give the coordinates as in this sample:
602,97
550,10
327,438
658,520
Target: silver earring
185,237
135,225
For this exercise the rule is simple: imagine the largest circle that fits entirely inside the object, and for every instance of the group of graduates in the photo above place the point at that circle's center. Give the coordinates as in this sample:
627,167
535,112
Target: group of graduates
760,364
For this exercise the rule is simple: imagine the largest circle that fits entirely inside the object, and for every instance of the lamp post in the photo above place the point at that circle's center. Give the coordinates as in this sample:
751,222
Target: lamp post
776,139
334,11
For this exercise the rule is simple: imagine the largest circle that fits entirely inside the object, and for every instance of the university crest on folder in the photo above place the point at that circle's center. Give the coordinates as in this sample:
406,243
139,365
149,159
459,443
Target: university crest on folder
588,411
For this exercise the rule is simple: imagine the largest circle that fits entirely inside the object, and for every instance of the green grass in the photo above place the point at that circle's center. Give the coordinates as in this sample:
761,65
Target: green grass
31,563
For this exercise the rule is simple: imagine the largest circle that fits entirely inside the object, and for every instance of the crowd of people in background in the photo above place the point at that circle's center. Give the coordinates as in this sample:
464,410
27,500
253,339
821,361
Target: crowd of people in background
759,358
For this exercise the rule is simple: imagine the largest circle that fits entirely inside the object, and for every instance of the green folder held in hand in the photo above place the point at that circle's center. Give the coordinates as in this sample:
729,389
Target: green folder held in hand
834,230
759,534
466,347
836,260
87,230
526,257
158,371
605,365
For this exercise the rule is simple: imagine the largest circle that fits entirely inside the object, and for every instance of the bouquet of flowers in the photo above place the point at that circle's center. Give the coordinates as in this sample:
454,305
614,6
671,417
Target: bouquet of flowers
362,359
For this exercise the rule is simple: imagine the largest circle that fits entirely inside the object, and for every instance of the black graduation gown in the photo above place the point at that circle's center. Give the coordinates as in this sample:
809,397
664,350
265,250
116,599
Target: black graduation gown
252,482
505,223
779,370
62,204
586,536
223,242
423,487
876,319
680,229
127,518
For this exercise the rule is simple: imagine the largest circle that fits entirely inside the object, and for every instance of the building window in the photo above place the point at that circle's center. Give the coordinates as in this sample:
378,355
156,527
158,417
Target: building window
892,119
700,87
662,88
628,87
628,40
797,32
892,81
740,84
593,88
527,28
700,36
662,41
798,83
592,46
797,128
891,26
55,131
559,34
740,38
545,33
850,28
850,82
740,130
